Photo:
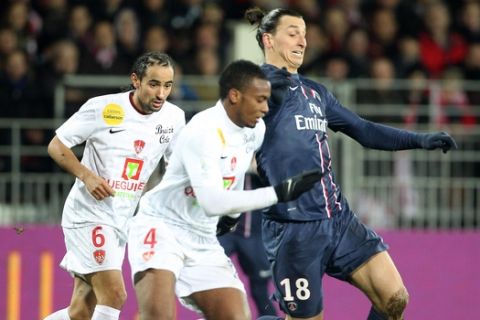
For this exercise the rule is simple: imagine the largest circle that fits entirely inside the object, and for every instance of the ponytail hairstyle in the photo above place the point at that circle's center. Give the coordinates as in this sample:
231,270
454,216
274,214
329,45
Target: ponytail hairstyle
267,22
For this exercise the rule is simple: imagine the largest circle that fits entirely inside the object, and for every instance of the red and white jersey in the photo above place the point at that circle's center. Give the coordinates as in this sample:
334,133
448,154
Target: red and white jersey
211,152
122,146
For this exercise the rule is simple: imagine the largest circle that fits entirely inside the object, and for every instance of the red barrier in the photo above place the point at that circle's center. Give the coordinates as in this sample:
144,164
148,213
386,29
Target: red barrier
439,268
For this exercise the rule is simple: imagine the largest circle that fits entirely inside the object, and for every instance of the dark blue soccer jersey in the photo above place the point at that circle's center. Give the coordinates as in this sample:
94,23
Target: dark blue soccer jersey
296,140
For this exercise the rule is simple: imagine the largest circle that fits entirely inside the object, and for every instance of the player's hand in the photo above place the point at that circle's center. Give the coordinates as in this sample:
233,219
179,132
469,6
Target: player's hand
279,80
98,187
226,224
291,188
437,140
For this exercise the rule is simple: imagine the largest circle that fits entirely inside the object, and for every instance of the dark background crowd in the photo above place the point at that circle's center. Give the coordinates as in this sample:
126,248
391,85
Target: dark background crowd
43,40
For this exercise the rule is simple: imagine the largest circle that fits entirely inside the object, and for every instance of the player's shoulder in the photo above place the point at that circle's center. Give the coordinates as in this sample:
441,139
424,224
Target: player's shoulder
313,84
173,109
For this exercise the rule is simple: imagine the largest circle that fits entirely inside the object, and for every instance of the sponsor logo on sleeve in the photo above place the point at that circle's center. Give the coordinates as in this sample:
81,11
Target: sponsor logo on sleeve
113,114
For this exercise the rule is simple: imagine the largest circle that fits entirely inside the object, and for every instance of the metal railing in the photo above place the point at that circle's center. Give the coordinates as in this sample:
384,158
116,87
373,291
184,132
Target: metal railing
407,189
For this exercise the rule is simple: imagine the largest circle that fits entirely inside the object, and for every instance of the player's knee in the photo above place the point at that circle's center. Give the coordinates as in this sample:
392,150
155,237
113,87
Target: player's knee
396,304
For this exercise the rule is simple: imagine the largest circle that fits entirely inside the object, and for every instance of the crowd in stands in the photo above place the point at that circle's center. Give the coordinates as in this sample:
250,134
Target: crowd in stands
43,40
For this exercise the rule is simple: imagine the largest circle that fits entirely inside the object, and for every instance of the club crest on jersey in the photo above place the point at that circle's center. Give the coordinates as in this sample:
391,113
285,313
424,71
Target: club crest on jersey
292,306
147,255
233,163
138,145
99,256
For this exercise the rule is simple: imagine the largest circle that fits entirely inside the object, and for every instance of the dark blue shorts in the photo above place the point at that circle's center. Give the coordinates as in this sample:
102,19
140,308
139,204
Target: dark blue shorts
300,254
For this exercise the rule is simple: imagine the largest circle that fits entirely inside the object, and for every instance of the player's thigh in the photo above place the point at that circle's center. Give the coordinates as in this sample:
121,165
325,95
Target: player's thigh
317,317
155,291
92,249
299,252
222,303
378,278
108,286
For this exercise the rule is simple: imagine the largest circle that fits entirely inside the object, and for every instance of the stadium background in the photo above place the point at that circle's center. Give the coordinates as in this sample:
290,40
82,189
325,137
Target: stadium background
382,59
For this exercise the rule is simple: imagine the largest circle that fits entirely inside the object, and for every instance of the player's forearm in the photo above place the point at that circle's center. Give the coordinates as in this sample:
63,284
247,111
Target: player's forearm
378,136
66,159
223,202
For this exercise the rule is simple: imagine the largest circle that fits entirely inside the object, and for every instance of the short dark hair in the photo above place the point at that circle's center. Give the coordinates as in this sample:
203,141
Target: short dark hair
267,21
238,75
149,59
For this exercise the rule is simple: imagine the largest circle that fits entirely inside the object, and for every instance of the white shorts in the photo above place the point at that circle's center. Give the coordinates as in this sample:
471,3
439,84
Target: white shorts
93,248
199,263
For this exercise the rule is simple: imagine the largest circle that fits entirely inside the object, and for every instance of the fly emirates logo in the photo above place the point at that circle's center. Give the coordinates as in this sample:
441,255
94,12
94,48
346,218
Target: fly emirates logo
317,122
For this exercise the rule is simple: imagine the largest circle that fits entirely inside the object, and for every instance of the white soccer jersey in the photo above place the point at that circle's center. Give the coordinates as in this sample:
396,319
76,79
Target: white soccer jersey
210,152
123,147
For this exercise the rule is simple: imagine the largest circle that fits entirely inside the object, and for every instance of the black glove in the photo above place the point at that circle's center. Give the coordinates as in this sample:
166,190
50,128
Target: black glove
443,140
291,188
226,224
279,80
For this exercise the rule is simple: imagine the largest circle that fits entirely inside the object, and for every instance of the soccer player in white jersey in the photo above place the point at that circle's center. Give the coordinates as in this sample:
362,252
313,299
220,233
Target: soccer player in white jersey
125,134
173,246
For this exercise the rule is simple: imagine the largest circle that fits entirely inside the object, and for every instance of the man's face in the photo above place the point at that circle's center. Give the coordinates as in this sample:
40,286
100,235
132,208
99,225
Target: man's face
252,103
286,47
153,90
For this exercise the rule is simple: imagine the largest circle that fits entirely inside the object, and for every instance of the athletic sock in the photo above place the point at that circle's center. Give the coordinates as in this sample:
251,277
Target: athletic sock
105,313
58,315
375,315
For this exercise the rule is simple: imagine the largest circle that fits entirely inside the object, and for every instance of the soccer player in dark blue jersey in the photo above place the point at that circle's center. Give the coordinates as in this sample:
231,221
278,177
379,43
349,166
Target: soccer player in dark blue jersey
318,233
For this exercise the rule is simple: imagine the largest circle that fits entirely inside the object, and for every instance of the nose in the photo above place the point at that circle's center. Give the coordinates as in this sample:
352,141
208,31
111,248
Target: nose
302,41
265,107
162,93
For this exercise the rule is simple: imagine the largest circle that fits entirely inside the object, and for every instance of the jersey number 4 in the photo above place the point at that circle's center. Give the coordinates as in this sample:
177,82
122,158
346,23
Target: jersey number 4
151,238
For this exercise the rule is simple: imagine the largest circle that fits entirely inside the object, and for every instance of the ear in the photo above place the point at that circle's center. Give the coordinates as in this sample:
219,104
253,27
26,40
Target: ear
135,80
267,40
234,96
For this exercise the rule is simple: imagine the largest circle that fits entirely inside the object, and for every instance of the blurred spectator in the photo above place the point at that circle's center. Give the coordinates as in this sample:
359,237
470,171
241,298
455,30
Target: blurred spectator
408,57
318,46
8,43
153,13
452,101
440,47
54,16
469,21
104,57
407,13
336,26
26,24
156,39
20,97
383,31
472,72
62,58
107,9
127,30
383,91
20,94
181,91
356,50
80,25
207,63
417,98
336,68
309,9
353,11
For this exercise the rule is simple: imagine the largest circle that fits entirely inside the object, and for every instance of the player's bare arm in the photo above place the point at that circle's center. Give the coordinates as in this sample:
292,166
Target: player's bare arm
67,160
